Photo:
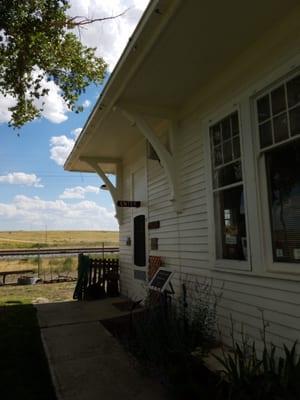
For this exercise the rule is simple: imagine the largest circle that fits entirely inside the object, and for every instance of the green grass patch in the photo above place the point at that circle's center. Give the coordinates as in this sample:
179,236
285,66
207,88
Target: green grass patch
23,366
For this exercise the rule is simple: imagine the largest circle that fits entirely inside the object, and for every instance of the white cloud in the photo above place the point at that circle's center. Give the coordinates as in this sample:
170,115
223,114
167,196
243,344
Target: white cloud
53,105
60,148
78,192
109,37
76,132
21,178
33,212
5,104
86,103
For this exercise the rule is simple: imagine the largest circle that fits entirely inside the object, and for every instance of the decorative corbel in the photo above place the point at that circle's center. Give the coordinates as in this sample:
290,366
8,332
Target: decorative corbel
114,190
167,159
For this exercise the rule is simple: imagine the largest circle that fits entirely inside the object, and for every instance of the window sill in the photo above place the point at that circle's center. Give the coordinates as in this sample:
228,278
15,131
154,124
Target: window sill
284,268
232,265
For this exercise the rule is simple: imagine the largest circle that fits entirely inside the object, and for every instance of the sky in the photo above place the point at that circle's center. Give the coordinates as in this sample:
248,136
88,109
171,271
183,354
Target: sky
35,191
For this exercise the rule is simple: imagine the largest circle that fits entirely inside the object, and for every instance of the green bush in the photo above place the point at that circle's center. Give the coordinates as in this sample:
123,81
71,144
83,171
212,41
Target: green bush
68,265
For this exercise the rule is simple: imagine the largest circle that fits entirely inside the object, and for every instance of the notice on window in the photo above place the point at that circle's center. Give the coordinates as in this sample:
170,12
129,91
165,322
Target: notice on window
230,239
297,254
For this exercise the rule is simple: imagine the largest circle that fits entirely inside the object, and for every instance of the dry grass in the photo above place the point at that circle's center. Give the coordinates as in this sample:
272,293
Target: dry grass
52,266
49,293
29,239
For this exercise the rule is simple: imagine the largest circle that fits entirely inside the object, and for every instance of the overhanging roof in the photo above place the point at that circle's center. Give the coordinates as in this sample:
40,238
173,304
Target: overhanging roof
178,46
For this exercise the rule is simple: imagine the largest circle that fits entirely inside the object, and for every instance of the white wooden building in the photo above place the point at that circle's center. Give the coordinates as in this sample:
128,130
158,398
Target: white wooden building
200,121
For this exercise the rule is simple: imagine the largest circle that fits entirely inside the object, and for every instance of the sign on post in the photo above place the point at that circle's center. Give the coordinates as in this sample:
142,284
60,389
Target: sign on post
128,203
161,279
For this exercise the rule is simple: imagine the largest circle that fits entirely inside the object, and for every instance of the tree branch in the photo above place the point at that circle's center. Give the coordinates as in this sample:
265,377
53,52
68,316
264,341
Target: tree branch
81,20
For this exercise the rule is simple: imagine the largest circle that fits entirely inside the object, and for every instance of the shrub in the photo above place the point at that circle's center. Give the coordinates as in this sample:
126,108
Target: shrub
168,330
67,265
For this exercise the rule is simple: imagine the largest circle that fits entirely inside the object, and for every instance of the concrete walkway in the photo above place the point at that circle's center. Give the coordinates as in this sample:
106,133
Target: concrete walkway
86,362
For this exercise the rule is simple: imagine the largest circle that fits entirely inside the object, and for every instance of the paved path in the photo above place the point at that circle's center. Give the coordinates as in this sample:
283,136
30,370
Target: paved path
86,362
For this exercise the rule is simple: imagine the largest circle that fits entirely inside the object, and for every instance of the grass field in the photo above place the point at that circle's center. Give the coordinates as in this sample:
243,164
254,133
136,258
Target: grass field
34,239
39,293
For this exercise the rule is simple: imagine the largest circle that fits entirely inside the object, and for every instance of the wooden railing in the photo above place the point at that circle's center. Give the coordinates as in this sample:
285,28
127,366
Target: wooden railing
97,278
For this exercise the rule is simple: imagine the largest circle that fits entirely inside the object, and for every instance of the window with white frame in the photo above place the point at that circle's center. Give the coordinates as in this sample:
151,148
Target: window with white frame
228,189
278,121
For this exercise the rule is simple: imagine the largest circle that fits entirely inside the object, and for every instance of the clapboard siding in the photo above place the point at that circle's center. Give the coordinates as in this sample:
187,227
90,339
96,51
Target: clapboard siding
183,243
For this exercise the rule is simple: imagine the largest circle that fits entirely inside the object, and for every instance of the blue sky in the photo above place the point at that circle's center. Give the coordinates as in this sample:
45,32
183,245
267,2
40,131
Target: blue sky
35,192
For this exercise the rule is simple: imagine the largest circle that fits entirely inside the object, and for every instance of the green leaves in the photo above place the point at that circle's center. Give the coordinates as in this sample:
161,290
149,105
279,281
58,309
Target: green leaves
35,45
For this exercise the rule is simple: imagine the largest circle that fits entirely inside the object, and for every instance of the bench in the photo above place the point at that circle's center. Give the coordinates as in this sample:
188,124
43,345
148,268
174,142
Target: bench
15,272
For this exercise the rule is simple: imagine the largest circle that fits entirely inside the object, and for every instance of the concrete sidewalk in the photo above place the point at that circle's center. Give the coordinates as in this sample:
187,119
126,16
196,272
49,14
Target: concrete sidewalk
86,362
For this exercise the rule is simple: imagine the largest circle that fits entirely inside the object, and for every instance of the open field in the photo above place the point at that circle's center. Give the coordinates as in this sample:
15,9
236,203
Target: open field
49,268
34,239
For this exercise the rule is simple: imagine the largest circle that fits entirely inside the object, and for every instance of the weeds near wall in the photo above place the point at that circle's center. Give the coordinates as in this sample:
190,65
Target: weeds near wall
164,336
268,376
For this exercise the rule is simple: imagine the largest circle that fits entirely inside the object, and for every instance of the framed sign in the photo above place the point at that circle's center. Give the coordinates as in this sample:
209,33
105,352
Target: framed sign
128,203
161,279
154,225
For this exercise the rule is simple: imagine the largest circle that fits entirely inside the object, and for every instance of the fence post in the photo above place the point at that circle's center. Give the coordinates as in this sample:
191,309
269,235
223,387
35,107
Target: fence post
102,250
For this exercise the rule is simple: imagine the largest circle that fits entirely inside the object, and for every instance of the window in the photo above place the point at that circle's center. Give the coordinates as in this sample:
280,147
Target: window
139,241
228,189
278,119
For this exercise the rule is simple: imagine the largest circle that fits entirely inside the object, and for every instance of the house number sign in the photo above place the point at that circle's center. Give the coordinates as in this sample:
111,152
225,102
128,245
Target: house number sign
125,203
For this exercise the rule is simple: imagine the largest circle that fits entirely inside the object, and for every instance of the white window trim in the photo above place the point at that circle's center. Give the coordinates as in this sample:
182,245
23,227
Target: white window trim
265,221
220,263
262,259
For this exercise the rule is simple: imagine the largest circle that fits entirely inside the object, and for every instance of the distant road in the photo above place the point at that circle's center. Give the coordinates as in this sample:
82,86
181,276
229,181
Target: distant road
57,251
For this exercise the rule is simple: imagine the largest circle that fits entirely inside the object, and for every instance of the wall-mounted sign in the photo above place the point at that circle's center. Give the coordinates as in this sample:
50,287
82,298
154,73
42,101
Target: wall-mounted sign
160,280
154,243
154,225
128,203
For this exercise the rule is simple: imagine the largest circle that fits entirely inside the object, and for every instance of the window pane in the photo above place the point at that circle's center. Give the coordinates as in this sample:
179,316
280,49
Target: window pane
231,224
226,131
227,151
293,90
236,147
235,124
295,121
218,158
265,135
216,134
281,131
263,108
278,100
283,166
232,173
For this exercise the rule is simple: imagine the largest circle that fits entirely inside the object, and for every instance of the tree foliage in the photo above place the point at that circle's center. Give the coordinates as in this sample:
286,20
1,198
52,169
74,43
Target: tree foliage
37,43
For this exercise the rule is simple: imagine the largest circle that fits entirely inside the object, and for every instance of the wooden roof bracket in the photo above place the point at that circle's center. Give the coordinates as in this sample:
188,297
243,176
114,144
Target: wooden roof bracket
115,191
167,159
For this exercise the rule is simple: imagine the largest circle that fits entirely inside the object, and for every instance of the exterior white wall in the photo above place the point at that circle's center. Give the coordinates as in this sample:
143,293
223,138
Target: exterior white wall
185,238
